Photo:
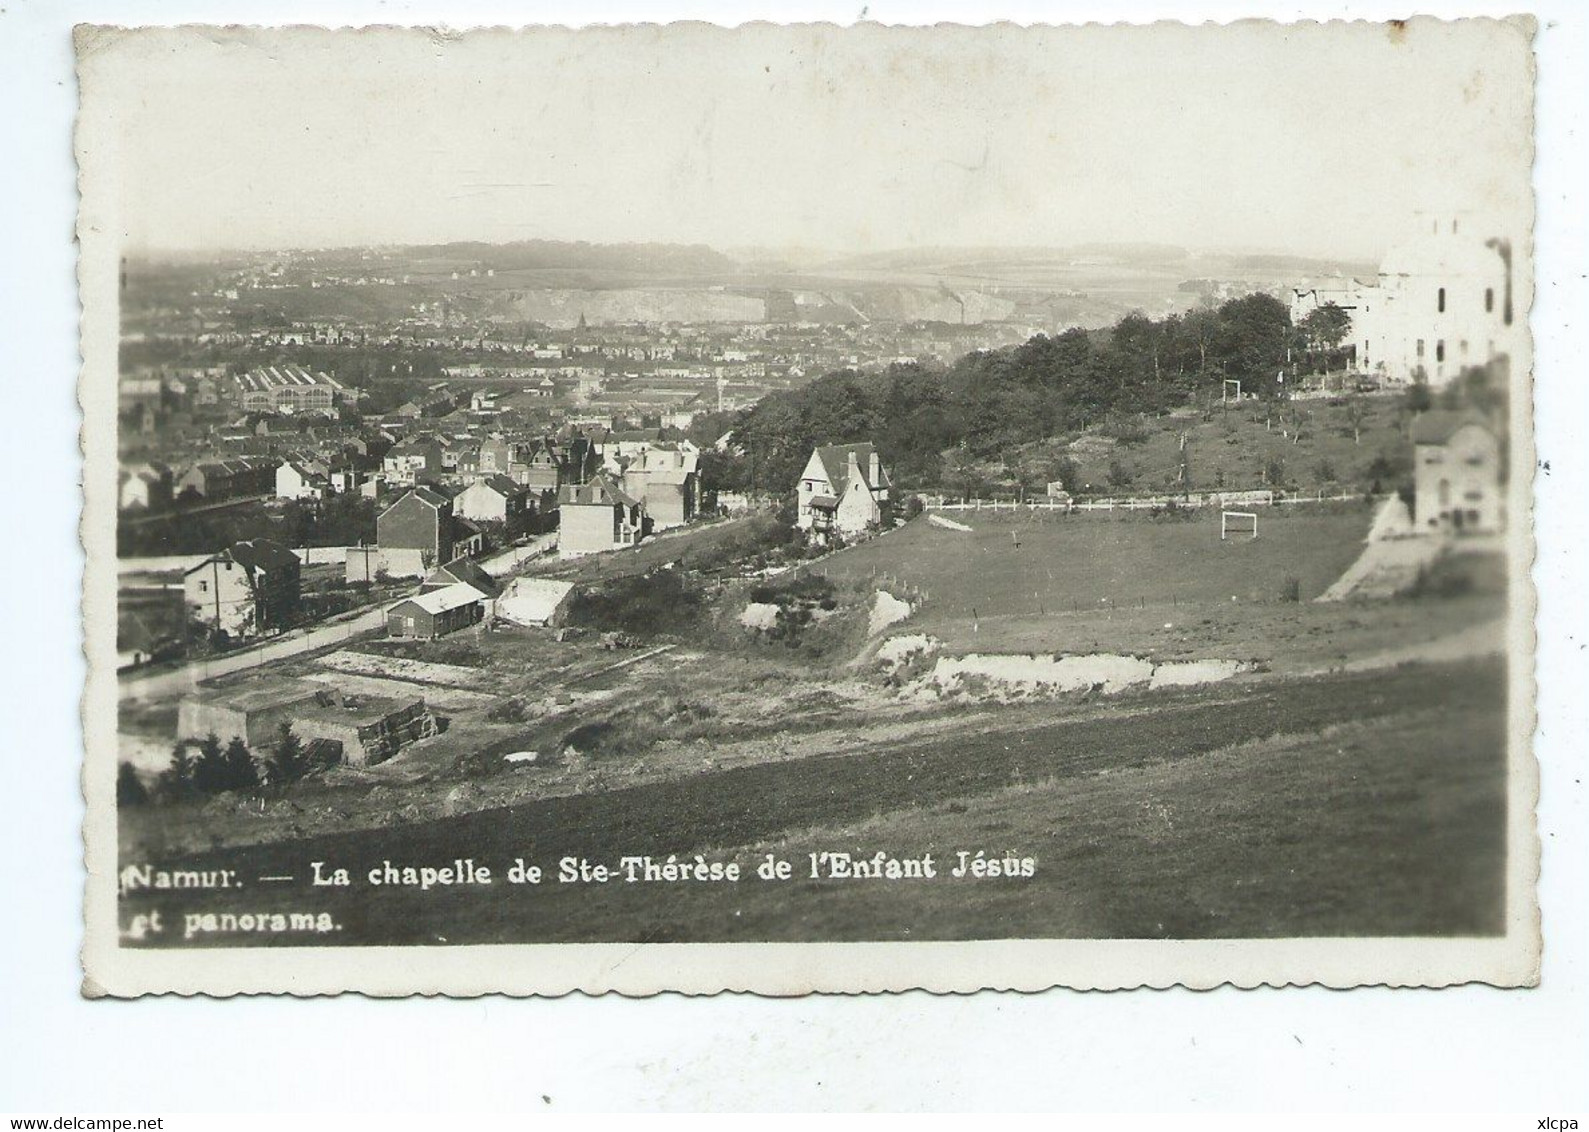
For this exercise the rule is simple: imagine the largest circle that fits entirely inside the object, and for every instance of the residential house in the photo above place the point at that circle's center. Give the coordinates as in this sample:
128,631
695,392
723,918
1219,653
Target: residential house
598,516
615,446
468,540
843,490
412,461
665,479
495,457
228,479
345,479
420,519
302,479
1457,473
547,464
250,588
496,499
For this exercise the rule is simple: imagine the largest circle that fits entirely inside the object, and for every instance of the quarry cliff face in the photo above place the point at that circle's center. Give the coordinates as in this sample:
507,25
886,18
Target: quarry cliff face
561,308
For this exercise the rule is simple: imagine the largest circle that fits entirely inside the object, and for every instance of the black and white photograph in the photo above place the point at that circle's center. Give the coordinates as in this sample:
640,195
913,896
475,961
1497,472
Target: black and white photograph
796,508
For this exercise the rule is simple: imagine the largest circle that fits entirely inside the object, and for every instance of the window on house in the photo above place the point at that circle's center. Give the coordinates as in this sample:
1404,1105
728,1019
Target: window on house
1420,347
1441,300
204,587
1489,300
1440,350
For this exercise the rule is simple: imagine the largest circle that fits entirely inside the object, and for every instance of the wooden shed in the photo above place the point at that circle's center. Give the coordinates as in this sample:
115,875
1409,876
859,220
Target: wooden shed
437,613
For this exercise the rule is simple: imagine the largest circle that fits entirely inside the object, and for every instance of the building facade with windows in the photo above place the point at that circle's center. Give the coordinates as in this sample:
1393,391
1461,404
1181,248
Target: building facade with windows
1442,303
1457,474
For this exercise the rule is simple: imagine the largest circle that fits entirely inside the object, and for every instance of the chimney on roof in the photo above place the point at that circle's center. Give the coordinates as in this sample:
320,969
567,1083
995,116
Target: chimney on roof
874,470
854,470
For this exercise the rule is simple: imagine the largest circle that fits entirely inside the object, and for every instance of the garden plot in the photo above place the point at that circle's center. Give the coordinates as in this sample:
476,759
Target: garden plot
413,671
436,695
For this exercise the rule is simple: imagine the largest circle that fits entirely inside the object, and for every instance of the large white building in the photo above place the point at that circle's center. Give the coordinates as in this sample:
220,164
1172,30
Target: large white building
1443,302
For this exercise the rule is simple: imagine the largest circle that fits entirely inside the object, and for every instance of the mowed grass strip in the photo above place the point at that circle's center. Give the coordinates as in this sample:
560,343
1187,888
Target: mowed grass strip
749,806
1032,564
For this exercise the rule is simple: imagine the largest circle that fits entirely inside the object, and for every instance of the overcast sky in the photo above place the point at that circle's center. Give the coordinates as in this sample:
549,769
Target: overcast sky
1319,140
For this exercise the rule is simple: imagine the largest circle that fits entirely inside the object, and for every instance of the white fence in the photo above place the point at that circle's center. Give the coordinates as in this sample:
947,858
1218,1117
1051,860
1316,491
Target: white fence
178,563
1144,502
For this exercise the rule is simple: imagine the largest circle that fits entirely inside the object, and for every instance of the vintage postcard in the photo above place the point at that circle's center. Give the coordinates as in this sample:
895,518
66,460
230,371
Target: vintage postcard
807,508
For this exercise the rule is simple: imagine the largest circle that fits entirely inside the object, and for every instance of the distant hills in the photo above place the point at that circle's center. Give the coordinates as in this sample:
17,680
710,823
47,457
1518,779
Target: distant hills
537,255
556,282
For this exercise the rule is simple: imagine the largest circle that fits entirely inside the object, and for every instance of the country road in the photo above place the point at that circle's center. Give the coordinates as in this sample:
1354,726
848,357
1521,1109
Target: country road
185,679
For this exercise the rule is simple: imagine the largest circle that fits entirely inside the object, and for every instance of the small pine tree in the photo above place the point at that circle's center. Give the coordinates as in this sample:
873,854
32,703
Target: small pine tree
130,790
209,772
238,762
176,781
289,762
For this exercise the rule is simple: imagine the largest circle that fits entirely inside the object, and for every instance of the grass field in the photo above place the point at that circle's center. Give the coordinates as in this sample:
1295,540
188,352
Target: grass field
1311,444
1351,804
1036,563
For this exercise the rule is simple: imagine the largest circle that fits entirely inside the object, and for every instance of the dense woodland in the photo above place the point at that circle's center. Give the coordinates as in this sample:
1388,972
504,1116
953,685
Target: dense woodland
925,418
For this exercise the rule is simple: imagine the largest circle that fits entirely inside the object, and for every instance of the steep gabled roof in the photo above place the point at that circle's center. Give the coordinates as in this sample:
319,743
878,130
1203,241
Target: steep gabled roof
503,485
262,554
468,573
426,495
600,490
835,461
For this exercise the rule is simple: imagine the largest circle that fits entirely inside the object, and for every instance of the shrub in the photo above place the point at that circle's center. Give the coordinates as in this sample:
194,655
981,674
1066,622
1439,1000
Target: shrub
176,781
793,588
508,711
656,602
130,790
208,770
288,762
241,772
1291,589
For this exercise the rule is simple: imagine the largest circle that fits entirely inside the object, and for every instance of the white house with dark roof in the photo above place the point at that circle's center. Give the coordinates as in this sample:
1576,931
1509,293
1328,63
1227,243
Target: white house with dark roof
843,490
1457,473
250,588
495,499
302,479
598,516
666,479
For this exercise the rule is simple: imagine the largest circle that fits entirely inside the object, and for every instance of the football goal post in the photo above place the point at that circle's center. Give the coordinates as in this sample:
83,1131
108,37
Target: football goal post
1238,522
1231,391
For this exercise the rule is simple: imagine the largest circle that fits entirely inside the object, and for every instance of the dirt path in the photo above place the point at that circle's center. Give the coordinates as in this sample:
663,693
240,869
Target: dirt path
1486,639
1391,558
